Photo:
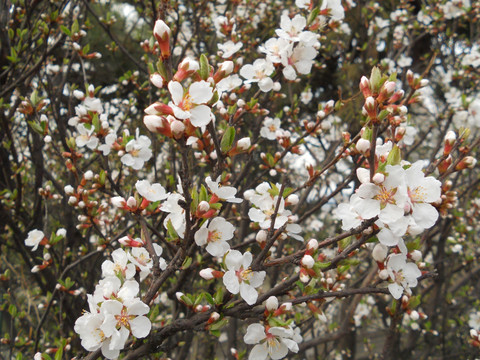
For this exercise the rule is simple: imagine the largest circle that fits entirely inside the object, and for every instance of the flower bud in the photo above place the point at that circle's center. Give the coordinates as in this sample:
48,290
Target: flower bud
131,202
363,145
117,201
271,304
244,144
379,253
292,199
88,175
414,315
157,80
162,33
468,162
383,274
261,236
207,274
61,232
416,255
378,178
312,245
307,261
178,128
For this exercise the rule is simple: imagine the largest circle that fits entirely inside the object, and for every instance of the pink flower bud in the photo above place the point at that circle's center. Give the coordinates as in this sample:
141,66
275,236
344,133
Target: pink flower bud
178,128
131,202
162,33
416,255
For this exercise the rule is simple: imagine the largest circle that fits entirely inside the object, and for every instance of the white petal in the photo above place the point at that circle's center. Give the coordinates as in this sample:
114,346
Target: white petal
140,326
255,333
248,293
201,92
396,290
230,281
201,115
259,352
176,90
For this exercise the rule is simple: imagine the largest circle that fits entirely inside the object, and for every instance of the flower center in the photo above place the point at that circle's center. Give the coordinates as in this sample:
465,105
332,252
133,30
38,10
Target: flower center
386,196
186,102
418,194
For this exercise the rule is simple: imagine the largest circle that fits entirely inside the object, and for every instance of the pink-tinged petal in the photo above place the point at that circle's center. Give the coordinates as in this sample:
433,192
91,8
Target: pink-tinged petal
201,92
140,326
176,91
201,236
259,352
255,334
248,293
231,282
425,215
201,115
396,290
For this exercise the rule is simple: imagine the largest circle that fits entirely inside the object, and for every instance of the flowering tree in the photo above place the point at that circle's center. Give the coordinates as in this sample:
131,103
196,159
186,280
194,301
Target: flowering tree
239,179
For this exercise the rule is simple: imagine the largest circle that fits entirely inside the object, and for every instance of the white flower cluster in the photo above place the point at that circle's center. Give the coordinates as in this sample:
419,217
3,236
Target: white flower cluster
116,311
265,199
92,125
402,200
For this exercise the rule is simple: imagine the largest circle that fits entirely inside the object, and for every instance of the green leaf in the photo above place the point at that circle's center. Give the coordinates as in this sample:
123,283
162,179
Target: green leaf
313,15
75,27
204,67
59,354
187,262
203,196
209,298
65,30
395,156
36,127
227,139
376,79
219,324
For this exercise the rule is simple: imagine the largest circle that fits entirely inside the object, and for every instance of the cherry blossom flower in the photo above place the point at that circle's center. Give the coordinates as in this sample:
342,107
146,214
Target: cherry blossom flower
191,104
140,257
34,238
229,48
403,274
86,137
290,29
260,72
138,151
119,266
270,127
274,342
215,236
240,278
151,192
226,193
